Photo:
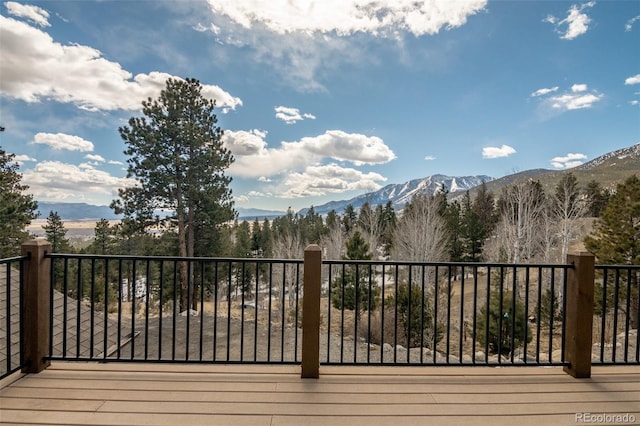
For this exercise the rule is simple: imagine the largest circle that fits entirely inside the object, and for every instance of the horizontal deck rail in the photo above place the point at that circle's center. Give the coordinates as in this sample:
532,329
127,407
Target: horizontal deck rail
445,313
171,309
226,310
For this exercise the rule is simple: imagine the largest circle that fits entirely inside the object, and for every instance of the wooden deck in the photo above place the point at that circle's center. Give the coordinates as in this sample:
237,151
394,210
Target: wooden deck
162,394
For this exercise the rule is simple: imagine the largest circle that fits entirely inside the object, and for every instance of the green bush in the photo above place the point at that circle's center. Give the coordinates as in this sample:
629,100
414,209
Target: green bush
345,294
501,323
415,322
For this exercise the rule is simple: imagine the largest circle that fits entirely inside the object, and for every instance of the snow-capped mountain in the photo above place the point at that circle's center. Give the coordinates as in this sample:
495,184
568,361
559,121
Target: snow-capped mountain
400,194
632,152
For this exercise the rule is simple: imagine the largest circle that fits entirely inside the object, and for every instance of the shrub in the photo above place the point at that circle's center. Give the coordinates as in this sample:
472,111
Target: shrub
415,322
501,323
346,294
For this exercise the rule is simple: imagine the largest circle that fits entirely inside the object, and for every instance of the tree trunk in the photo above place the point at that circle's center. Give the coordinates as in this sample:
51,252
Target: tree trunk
191,253
182,265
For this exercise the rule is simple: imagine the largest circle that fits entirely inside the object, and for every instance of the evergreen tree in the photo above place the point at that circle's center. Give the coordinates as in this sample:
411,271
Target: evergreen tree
354,289
332,219
179,161
349,219
500,320
414,316
312,227
17,209
453,217
104,238
266,238
474,232
242,244
616,240
597,198
56,234
244,273
389,221
256,239
484,207
616,237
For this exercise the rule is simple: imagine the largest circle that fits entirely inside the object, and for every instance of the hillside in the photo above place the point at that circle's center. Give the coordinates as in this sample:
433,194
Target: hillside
608,170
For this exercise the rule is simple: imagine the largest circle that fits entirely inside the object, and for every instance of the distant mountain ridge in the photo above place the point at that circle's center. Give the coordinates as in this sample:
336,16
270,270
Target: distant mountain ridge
76,211
83,211
608,169
400,194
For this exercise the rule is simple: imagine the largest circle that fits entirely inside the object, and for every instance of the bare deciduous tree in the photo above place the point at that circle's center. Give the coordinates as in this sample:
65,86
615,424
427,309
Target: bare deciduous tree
287,245
568,207
371,227
521,208
421,234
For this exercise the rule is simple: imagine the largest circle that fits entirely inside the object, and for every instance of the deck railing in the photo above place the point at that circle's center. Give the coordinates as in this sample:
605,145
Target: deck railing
617,309
444,313
315,312
170,309
11,333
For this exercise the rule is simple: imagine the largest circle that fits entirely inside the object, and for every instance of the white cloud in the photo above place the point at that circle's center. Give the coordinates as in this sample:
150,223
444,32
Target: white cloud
299,164
577,22
356,148
35,14
297,38
497,152
634,102
243,143
21,159
60,181
76,74
632,80
576,98
114,162
576,88
63,141
429,158
95,157
629,25
569,161
259,194
254,159
327,179
291,115
346,17
544,91
570,102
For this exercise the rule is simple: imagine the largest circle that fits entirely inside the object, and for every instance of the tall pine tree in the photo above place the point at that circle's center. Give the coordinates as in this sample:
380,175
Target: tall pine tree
177,157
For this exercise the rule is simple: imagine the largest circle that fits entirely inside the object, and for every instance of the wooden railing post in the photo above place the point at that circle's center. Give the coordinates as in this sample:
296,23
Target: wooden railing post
579,314
311,312
36,306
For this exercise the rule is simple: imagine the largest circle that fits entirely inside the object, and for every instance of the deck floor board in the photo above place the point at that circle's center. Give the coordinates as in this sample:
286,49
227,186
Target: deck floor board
169,394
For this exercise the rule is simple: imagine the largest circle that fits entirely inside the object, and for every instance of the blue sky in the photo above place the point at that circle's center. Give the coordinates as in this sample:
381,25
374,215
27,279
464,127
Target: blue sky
321,99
